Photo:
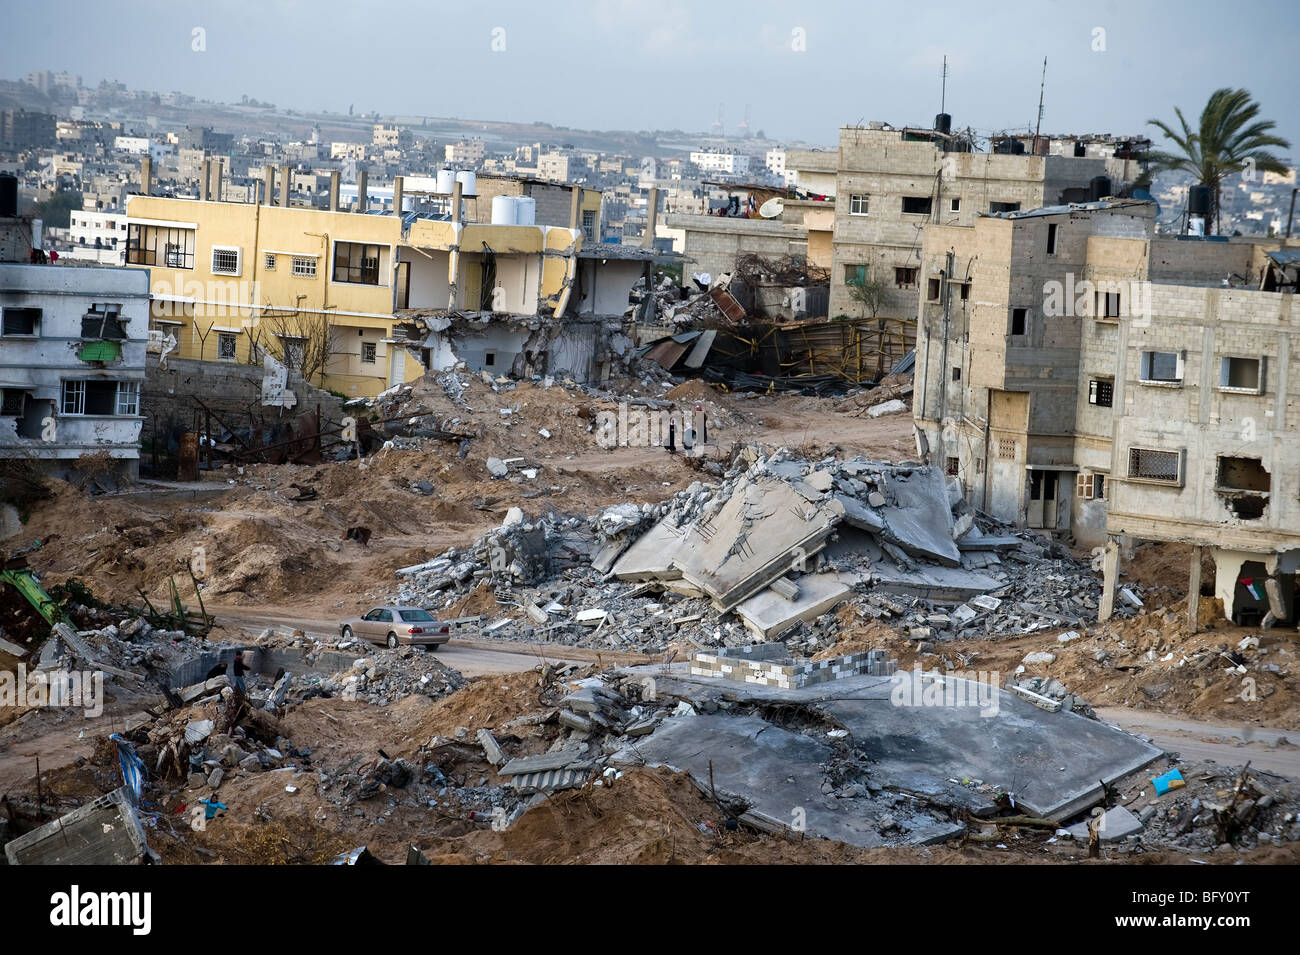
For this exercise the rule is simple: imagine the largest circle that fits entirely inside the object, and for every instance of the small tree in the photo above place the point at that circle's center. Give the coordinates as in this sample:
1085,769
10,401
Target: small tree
868,290
313,336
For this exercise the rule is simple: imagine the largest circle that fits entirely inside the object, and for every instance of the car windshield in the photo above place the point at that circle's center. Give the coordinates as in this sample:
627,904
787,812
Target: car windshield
416,614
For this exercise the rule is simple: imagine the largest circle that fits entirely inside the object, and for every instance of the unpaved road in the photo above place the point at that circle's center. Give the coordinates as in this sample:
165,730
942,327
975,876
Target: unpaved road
1230,745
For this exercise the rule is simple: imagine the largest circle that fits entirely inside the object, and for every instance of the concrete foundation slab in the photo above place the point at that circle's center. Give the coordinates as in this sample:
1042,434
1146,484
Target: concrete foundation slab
770,613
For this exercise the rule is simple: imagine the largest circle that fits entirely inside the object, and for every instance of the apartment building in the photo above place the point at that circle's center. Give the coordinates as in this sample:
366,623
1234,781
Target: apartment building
392,136
1082,375
72,355
467,152
97,236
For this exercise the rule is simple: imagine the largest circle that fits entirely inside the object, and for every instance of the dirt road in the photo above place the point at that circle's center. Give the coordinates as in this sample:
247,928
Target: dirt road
1266,749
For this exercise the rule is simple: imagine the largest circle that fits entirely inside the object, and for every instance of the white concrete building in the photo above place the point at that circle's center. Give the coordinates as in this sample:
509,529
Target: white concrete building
72,357
721,160
98,237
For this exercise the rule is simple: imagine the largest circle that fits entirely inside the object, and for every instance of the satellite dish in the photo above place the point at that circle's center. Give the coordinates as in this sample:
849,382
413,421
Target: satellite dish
771,209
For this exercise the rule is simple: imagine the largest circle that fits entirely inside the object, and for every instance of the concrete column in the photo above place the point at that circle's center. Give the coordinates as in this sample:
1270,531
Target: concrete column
1194,590
1109,579
284,186
334,191
268,184
652,219
146,175
363,185
575,207
205,178
214,188
456,194
397,195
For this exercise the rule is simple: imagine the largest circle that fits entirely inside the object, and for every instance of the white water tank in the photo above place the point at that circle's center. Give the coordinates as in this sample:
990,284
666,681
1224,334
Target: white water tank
468,183
526,210
446,181
504,210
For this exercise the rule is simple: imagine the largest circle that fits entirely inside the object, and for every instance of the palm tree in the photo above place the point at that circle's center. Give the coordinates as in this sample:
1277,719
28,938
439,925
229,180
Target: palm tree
1228,138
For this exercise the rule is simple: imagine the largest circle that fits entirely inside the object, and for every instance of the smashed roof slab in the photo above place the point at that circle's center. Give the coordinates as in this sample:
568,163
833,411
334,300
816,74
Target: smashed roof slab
1052,764
768,614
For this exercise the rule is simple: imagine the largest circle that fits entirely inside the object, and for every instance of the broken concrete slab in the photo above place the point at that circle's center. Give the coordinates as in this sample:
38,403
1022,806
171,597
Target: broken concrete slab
770,613
918,520
105,831
651,556
778,775
1115,824
940,584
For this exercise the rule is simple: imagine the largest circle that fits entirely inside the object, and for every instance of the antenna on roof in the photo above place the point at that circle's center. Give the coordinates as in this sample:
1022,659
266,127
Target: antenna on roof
943,96
1041,88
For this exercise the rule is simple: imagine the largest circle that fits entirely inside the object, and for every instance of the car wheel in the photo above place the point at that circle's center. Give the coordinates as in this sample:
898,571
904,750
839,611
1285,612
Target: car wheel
347,633
431,648
392,641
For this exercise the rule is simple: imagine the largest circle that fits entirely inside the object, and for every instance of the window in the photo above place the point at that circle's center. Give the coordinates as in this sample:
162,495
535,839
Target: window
292,350
1108,305
1101,392
916,205
304,266
103,322
932,290
128,397
1090,487
160,245
1051,238
1162,366
1244,485
855,274
356,262
226,346
996,207
858,205
905,278
368,352
268,262
13,403
1007,449
1020,321
954,205
956,372
83,397
225,260
965,290
490,359
1245,374
21,321
1148,465
589,225
951,466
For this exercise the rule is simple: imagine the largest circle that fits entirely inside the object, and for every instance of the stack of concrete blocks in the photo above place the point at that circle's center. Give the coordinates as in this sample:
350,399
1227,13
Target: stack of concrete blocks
769,664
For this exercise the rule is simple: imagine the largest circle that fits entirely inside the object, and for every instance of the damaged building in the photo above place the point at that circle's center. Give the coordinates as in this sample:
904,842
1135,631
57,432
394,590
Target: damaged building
361,301
72,354
1085,376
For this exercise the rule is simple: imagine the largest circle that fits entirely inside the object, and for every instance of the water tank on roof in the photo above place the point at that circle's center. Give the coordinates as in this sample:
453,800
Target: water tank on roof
8,195
943,123
1198,201
468,183
505,210
1098,188
525,210
446,181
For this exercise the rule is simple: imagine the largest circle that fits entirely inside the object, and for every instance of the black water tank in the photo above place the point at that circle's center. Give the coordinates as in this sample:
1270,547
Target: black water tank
943,123
8,195
1198,200
1098,188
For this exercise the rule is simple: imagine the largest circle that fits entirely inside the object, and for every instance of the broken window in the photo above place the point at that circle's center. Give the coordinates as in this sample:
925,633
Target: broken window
21,321
1150,465
13,403
1091,487
1020,321
932,290
1051,239
1101,391
951,466
103,322
905,278
917,205
1244,373
356,262
996,207
858,205
369,352
226,346
965,290
82,397
855,274
490,359
1162,366
1242,474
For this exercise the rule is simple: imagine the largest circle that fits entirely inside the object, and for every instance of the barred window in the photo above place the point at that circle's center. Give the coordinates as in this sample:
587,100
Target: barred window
225,260
159,245
1007,448
1153,465
304,266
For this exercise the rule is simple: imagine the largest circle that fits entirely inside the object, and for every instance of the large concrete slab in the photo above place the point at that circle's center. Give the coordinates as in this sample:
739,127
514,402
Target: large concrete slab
102,832
768,614
951,584
651,557
1051,763
919,519
778,775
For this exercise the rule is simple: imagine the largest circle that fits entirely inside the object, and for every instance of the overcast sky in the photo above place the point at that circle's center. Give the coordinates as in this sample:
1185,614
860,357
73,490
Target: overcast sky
665,64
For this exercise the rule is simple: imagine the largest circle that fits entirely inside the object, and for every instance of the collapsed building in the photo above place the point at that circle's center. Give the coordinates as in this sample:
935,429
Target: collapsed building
1082,375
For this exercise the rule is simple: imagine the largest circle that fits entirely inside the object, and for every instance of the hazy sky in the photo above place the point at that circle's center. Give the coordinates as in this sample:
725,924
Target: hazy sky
664,64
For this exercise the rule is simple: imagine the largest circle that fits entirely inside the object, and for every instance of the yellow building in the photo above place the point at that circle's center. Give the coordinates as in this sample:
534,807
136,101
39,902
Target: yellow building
334,293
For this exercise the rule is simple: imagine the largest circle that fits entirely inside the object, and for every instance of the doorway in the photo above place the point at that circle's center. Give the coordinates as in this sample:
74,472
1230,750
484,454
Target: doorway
1042,499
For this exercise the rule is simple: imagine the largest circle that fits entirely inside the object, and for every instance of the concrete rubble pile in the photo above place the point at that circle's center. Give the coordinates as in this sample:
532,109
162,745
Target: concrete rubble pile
766,554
